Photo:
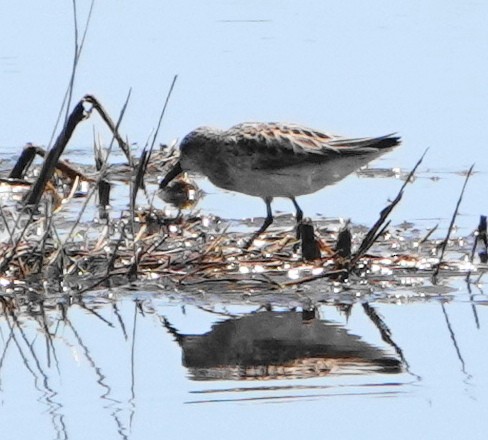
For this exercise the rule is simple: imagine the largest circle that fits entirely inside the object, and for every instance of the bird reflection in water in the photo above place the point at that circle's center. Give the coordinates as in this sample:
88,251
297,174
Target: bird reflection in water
279,345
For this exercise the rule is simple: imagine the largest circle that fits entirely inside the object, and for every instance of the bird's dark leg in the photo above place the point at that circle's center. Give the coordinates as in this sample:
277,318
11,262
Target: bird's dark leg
267,221
299,215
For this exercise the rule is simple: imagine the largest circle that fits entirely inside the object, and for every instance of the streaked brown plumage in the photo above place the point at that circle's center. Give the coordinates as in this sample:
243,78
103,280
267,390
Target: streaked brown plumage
270,160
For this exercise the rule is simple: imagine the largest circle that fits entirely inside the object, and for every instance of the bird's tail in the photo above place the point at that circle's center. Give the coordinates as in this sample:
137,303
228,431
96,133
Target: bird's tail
365,145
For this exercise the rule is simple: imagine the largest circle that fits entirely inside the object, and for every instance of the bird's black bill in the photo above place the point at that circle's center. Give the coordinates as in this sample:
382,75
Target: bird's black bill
175,171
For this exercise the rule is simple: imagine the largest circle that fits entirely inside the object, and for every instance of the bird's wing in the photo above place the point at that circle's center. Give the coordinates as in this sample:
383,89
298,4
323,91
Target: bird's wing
302,142
285,138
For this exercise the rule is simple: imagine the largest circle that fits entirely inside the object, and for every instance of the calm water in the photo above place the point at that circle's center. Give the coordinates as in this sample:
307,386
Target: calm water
146,362
163,364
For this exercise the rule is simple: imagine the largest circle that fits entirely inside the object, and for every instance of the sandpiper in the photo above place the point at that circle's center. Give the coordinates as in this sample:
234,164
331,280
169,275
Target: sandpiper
270,160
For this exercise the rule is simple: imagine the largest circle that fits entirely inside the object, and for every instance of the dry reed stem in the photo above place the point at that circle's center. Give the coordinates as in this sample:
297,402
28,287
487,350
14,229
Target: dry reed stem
451,225
373,234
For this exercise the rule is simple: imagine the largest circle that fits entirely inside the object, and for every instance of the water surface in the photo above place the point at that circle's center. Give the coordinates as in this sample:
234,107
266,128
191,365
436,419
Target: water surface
137,366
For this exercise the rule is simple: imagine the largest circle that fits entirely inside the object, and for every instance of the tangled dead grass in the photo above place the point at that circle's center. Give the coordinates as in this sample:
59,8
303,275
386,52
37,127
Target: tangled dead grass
190,251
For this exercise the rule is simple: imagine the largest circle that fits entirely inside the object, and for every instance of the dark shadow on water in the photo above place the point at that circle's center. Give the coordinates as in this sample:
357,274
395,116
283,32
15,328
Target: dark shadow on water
279,345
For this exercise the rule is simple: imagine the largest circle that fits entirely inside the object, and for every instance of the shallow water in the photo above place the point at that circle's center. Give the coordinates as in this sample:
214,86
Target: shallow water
142,364
148,361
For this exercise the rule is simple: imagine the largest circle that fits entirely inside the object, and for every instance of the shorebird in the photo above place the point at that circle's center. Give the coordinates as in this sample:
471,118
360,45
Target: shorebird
270,160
